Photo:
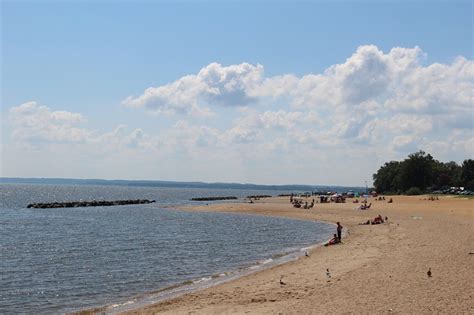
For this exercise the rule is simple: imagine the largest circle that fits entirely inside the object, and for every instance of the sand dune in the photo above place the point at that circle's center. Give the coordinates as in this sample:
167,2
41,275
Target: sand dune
378,269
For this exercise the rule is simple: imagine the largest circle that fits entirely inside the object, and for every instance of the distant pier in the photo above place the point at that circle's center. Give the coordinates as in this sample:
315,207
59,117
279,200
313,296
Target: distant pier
93,203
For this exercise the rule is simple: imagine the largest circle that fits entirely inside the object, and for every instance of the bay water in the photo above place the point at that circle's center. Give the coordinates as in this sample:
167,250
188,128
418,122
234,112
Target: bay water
70,259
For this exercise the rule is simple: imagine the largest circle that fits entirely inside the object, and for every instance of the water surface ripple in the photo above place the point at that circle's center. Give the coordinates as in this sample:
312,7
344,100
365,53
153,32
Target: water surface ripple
61,260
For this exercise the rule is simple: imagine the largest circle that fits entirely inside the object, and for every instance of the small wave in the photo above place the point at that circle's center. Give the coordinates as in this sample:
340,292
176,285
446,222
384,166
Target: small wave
206,282
266,261
204,279
280,255
123,304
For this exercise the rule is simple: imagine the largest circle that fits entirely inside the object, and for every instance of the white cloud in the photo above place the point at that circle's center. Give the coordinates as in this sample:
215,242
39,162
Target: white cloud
395,80
213,85
370,93
405,143
280,119
35,122
255,126
374,106
435,89
185,136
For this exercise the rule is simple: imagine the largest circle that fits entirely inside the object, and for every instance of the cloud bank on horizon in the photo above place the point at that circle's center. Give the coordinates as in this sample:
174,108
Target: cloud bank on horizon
233,123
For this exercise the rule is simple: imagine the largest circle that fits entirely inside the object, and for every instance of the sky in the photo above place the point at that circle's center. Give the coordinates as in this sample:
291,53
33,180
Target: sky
264,92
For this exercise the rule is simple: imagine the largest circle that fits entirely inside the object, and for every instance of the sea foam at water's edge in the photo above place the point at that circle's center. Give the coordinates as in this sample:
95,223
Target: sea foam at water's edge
206,282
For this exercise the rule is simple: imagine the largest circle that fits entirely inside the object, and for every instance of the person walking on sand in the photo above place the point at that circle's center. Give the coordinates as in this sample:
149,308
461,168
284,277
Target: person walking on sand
339,231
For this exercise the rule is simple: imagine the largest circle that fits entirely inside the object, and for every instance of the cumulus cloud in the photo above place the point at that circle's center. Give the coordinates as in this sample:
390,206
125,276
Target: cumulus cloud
373,103
36,122
372,95
396,80
213,85
435,89
252,125
186,136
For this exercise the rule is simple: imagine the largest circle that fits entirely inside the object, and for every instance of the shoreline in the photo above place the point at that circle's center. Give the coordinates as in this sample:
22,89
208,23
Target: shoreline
378,269
190,286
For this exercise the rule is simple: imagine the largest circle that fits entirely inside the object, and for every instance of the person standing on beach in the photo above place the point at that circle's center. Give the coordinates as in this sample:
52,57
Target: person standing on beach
339,231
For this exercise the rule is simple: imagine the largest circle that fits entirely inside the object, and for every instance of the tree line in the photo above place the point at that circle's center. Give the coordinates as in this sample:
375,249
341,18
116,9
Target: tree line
421,173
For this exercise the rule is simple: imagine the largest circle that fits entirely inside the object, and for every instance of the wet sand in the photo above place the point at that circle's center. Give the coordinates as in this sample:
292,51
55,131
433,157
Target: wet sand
378,268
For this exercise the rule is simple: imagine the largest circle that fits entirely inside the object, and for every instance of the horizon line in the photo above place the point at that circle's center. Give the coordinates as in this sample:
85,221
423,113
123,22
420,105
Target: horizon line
172,181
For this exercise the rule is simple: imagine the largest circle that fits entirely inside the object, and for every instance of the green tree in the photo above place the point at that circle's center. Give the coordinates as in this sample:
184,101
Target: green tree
454,170
413,191
445,175
417,171
387,178
420,172
467,174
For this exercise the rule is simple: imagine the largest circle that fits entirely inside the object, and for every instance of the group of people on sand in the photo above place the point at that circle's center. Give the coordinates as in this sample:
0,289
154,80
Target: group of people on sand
377,220
337,238
382,198
298,203
365,206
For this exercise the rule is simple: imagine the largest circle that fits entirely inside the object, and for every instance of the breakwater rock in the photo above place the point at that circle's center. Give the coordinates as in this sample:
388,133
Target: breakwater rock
214,198
258,196
93,203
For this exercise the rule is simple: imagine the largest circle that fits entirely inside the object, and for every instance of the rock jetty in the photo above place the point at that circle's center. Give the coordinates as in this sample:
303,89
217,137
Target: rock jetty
214,198
258,196
93,203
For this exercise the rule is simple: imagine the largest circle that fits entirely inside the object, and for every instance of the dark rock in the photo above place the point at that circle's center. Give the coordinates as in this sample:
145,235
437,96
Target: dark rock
93,203
214,198
258,196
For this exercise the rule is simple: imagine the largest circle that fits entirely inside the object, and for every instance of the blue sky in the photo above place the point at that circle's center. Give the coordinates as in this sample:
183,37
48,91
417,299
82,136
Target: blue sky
73,65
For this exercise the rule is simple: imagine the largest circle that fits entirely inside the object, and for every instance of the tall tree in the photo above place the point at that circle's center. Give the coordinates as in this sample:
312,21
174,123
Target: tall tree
387,178
422,171
467,174
445,174
417,171
454,170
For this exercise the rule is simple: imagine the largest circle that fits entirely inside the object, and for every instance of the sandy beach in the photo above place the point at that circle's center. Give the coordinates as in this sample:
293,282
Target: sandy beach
378,268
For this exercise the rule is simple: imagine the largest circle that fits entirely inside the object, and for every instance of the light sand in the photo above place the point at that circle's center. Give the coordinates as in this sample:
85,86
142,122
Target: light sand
378,269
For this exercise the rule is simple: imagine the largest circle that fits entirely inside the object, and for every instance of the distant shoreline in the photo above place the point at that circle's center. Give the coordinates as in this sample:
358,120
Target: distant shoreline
176,184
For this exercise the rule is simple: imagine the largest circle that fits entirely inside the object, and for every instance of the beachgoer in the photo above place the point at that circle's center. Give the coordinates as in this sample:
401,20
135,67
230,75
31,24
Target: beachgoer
378,220
333,241
339,231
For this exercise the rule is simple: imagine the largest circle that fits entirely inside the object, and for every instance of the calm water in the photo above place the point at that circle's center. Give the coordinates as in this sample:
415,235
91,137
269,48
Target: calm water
61,260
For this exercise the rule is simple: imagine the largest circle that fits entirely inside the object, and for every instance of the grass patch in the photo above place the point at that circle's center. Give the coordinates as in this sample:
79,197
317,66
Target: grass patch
465,196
